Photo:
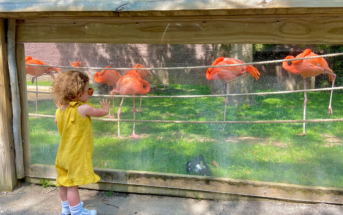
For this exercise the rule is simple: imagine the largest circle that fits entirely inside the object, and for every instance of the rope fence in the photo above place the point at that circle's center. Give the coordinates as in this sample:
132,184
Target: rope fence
200,96
195,67
204,122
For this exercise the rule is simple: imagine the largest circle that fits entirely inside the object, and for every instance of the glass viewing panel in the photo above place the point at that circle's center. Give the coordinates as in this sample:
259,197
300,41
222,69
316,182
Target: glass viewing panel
271,152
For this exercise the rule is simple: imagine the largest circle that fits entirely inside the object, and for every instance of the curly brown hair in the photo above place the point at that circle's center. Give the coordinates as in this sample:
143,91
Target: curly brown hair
67,86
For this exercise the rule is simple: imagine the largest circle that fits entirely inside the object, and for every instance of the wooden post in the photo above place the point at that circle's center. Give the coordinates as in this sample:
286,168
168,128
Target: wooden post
8,180
20,59
19,161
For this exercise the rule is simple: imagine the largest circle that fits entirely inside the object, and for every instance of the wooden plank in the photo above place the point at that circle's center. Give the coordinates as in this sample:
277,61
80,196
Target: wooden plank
159,191
214,30
8,180
20,59
158,5
12,67
211,185
178,13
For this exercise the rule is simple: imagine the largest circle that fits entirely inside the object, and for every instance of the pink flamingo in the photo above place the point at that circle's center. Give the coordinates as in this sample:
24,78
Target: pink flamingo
109,77
130,83
145,75
310,68
37,71
229,73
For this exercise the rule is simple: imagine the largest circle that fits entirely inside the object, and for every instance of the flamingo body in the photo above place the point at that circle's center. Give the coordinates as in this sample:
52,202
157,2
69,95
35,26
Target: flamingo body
37,71
309,68
109,77
229,73
127,85
145,74
78,64
131,85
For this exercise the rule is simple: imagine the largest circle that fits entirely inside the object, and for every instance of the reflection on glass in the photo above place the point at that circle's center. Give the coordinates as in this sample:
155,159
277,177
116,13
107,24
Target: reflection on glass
272,152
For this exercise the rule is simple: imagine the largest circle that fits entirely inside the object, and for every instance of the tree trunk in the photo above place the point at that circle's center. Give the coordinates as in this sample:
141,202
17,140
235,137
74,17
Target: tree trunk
219,50
243,84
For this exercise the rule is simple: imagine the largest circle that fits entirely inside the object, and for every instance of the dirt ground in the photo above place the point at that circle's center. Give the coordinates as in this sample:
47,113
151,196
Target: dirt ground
32,199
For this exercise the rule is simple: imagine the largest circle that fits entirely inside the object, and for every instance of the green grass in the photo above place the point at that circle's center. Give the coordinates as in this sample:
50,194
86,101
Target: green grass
43,83
262,152
40,83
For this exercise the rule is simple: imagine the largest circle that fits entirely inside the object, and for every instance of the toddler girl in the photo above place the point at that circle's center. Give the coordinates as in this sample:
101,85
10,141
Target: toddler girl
74,156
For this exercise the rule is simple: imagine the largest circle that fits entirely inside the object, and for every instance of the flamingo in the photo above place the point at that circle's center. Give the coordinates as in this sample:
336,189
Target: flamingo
37,71
130,84
78,64
110,77
310,68
228,74
145,75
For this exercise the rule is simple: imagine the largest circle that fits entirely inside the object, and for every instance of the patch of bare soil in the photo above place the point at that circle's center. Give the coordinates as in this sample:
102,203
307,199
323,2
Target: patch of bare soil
331,140
32,96
256,140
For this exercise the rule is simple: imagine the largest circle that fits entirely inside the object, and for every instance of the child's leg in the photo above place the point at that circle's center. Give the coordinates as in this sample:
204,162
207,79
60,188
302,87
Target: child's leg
76,207
73,196
63,193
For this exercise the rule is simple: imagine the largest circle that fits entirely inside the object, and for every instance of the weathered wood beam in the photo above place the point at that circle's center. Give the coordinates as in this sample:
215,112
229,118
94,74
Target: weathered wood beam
16,109
8,180
25,132
177,13
183,30
159,5
176,184
159,191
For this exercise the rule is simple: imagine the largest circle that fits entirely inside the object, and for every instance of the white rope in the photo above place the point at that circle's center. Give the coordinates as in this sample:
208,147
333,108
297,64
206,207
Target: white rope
200,96
194,67
204,122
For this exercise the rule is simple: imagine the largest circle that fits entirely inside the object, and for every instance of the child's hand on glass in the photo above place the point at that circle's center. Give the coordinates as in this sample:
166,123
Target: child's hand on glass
105,105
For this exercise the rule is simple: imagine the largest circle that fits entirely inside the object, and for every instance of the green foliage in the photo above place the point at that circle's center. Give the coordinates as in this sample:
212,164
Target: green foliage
196,196
109,193
46,182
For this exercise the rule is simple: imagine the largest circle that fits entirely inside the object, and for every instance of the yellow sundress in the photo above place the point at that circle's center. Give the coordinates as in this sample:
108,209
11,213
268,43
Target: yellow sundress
74,156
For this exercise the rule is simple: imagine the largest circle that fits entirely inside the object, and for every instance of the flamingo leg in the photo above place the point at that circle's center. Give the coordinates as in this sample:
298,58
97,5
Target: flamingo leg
305,102
36,95
134,118
226,102
140,104
333,84
109,115
118,114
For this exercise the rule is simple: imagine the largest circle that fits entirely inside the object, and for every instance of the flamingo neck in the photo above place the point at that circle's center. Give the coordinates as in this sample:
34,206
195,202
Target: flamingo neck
208,75
289,68
96,77
146,89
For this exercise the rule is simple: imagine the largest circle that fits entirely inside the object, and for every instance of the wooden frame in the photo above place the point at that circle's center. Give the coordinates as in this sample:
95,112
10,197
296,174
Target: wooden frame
8,179
175,22
179,30
205,187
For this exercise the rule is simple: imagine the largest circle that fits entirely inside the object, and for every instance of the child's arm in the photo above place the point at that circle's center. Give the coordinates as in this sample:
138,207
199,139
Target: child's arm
87,110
